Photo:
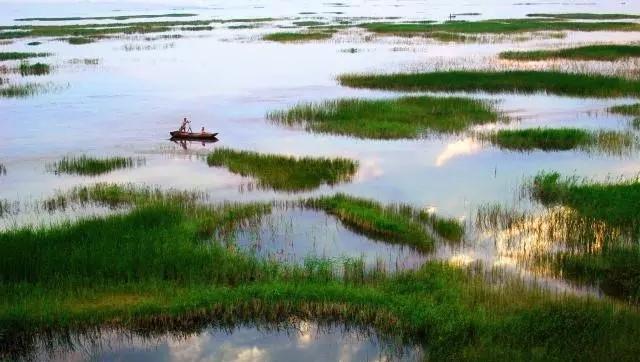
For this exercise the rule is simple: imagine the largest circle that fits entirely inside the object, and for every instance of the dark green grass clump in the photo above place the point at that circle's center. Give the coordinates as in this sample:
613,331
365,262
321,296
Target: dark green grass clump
407,117
34,69
626,109
370,218
21,55
298,37
591,52
498,26
22,90
562,139
308,23
121,17
584,85
585,16
616,204
34,43
284,173
79,40
91,166
161,265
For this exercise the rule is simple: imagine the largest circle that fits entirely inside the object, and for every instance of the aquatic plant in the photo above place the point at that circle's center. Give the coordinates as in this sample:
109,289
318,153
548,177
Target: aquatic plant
22,90
79,40
584,85
119,17
591,52
34,43
91,166
407,117
297,37
308,23
585,16
284,173
21,55
26,68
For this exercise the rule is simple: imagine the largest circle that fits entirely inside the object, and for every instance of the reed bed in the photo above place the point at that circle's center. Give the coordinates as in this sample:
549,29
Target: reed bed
286,37
160,268
590,52
21,55
407,117
563,139
525,82
79,40
22,90
92,166
26,68
284,173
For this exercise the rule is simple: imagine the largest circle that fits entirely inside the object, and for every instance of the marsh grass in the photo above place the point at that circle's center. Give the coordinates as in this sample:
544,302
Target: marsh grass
122,17
93,166
26,68
21,55
407,117
284,173
79,40
498,26
626,109
22,90
591,52
286,37
160,267
585,16
34,43
308,23
562,139
516,81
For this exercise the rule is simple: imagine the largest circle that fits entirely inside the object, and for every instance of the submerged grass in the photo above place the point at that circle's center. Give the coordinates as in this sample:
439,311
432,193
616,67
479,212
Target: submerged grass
34,69
407,117
298,37
561,139
21,55
591,52
584,85
160,267
284,173
91,166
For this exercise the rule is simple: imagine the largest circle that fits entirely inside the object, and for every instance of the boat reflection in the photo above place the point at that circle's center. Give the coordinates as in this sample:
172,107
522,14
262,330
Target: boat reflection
186,144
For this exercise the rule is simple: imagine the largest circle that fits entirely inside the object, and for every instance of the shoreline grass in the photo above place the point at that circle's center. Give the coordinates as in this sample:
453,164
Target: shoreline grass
120,17
407,117
291,37
585,16
92,166
26,68
591,52
496,26
563,139
284,173
22,90
525,82
159,267
21,55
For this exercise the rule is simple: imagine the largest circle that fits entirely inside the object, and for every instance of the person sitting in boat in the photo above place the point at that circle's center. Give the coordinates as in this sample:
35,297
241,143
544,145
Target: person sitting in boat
185,122
202,130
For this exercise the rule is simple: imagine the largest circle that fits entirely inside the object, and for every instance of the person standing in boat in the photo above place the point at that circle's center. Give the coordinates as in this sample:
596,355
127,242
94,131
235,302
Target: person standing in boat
185,122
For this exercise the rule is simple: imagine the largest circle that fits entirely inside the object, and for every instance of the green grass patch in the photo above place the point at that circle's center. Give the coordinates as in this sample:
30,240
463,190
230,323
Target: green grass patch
161,267
284,173
21,55
26,68
286,37
615,204
120,17
498,26
308,23
526,82
91,166
22,90
79,40
626,109
34,43
585,16
407,117
562,139
591,52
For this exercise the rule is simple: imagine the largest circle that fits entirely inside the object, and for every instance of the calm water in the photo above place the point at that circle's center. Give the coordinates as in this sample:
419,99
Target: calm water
227,80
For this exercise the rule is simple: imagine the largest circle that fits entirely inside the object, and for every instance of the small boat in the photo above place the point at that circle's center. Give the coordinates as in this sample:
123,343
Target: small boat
193,135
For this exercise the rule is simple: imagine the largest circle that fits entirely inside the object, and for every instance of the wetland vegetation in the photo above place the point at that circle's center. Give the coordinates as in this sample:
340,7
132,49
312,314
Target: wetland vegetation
284,173
120,17
562,139
407,117
298,36
21,55
92,166
585,16
590,52
518,81
27,68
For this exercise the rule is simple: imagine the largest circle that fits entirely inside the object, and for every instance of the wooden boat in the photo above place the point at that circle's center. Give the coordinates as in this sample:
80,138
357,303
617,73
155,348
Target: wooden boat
193,136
